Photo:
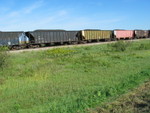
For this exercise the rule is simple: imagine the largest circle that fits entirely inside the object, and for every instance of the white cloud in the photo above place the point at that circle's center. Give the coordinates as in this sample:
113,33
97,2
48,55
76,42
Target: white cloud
25,10
14,14
34,6
62,12
3,9
44,22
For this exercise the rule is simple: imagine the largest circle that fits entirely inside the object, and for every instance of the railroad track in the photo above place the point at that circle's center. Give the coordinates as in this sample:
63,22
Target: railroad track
65,46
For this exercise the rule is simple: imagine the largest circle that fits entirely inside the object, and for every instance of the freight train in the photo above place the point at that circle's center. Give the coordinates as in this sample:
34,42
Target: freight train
39,38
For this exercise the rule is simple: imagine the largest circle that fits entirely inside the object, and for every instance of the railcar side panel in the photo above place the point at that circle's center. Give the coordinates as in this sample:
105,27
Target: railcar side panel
53,36
119,34
96,34
141,33
11,38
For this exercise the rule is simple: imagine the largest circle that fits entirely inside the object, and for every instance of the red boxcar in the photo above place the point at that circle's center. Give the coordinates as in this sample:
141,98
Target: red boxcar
124,34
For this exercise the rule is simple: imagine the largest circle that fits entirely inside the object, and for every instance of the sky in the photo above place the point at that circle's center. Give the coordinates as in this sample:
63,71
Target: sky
27,15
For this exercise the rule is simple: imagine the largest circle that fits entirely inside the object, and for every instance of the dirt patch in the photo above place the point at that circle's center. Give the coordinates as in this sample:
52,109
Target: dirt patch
137,101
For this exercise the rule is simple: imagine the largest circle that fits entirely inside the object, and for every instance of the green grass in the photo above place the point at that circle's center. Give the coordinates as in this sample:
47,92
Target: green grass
68,80
3,56
135,101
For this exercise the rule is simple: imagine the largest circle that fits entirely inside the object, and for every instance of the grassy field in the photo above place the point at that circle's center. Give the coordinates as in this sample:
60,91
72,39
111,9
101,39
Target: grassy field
136,101
69,80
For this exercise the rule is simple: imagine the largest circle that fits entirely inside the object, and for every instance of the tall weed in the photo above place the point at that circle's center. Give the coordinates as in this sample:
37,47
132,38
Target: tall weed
145,46
119,46
3,56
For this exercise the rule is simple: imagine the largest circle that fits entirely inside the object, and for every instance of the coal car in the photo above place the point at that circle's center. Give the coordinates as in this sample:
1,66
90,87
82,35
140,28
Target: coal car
124,34
13,39
91,35
142,33
50,37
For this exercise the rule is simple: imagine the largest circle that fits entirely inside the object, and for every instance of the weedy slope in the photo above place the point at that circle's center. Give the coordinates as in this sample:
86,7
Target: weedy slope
68,80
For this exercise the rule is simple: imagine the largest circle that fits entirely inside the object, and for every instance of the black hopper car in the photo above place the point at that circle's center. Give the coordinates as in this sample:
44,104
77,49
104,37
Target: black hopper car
51,37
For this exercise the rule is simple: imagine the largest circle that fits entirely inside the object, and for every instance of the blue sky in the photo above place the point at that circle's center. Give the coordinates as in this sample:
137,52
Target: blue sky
74,14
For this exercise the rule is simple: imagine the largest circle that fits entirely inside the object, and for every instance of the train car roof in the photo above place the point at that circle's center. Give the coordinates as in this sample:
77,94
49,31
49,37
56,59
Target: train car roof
46,30
11,31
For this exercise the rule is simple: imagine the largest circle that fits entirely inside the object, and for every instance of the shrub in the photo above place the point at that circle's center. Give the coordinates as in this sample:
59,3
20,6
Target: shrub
3,56
145,46
120,46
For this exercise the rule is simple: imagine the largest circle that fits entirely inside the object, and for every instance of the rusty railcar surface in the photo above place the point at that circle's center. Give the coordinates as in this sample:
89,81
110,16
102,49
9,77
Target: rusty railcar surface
52,36
141,33
96,34
124,34
10,38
